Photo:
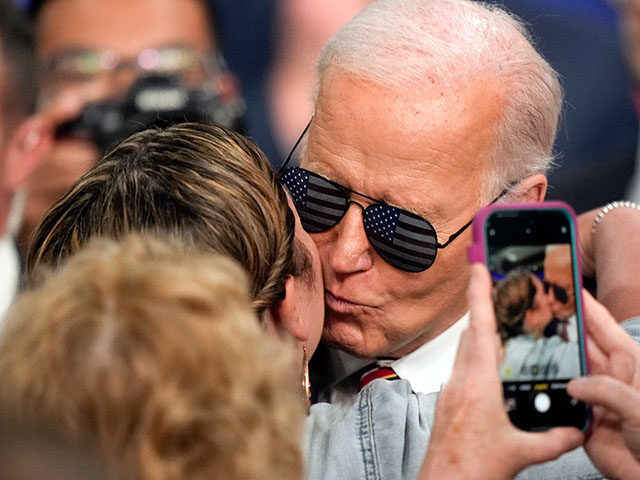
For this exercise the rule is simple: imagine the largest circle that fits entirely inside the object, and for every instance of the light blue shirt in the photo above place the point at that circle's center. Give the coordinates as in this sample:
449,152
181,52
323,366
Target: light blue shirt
385,433
530,358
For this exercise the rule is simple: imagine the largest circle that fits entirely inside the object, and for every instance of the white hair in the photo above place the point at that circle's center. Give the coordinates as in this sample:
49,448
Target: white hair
400,43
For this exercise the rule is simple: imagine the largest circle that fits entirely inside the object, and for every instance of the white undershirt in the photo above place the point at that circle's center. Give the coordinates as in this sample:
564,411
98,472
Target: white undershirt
426,368
429,367
9,273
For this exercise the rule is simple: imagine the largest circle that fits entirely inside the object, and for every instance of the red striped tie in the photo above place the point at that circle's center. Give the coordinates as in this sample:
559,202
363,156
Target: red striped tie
376,372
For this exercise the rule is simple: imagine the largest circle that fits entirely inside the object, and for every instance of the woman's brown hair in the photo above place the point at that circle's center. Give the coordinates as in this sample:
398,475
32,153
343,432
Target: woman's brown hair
202,183
513,296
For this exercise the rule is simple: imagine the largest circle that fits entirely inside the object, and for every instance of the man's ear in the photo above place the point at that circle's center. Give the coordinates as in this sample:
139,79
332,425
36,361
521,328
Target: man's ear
28,144
285,313
532,189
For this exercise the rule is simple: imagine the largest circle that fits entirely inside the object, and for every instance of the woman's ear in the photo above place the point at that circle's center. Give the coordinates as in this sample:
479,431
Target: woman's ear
286,314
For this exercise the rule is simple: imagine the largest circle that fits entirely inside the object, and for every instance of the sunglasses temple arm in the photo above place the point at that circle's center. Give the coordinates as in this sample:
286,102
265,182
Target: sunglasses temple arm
455,235
466,225
295,145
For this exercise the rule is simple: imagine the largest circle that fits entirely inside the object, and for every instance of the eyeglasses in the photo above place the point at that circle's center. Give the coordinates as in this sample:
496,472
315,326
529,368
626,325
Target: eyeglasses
403,239
74,67
560,293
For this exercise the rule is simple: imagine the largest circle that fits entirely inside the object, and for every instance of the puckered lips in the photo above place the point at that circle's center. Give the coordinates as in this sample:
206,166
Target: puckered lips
345,305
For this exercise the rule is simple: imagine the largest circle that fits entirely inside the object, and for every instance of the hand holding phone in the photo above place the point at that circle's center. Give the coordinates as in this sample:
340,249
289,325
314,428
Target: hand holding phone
613,390
470,421
531,253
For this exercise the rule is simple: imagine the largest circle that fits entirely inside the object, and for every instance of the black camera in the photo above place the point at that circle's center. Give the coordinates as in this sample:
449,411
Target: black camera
152,101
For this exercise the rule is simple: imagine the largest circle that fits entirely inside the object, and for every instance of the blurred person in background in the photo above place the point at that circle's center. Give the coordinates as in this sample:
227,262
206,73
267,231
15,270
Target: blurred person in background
24,140
558,283
629,24
597,135
276,63
94,51
302,29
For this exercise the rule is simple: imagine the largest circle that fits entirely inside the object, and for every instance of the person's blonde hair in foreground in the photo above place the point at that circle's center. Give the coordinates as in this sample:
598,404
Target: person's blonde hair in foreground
155,355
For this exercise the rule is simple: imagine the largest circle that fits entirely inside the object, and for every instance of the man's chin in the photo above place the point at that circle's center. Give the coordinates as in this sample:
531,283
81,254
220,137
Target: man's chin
353,341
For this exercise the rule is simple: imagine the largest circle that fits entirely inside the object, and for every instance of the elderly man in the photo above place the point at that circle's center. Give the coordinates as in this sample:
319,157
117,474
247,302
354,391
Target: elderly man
558,283
426,111
93,51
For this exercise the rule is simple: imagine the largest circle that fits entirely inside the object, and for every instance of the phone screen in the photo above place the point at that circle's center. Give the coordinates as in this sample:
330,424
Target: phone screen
531,255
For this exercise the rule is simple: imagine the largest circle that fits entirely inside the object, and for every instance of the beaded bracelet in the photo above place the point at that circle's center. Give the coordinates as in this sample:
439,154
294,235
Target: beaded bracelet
610,206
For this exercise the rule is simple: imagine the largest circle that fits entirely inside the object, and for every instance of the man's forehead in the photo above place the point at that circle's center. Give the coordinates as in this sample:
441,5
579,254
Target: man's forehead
107,24
412,189
392,144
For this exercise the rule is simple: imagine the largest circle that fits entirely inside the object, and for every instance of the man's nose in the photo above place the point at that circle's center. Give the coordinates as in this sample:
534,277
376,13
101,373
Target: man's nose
351,251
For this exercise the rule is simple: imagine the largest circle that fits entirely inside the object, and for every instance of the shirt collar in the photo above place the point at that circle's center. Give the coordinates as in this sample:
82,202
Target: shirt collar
429,367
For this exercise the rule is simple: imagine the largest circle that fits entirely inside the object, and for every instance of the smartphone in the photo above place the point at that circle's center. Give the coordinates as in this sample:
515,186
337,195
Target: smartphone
531,251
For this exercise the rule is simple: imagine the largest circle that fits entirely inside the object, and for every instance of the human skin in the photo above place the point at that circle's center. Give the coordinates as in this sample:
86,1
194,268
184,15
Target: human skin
614,391
426,152
470,417
472,436
559,271
302,310
24,142
630,33
101,24
540,314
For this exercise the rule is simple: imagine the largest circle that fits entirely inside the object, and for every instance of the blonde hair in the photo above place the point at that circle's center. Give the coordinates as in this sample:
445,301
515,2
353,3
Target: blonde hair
202,183
155,355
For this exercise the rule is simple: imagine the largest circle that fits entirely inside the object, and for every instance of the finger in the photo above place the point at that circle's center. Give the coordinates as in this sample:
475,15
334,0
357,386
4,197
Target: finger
622,366
598,361
479,298
608,392
482,322
602,327
64,107
544,446
465,349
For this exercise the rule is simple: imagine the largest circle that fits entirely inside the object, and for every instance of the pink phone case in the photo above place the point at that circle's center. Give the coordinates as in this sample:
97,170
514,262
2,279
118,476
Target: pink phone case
476,252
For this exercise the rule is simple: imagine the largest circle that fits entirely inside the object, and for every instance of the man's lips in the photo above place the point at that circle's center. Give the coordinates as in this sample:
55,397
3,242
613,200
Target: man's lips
342,305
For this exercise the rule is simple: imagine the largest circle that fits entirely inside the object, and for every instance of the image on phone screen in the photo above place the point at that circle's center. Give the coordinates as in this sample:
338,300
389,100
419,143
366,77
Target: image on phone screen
531,261
536,315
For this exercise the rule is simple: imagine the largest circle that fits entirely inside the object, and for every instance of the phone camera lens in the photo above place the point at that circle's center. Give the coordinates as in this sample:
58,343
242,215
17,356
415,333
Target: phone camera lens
527,230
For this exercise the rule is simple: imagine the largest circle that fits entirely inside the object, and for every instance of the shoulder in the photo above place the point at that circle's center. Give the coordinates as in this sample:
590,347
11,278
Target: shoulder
632,327
384,434
573,465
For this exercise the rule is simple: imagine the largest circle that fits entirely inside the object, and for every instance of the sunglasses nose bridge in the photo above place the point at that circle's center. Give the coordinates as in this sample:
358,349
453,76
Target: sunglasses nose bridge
353,202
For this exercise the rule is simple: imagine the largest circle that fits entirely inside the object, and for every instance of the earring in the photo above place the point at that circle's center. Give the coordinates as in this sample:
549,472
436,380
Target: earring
306,383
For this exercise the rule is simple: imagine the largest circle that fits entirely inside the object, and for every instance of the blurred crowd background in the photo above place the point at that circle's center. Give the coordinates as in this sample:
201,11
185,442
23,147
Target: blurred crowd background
271,46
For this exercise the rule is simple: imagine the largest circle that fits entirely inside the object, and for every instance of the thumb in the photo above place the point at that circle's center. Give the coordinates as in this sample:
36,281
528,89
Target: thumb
608,392
541,447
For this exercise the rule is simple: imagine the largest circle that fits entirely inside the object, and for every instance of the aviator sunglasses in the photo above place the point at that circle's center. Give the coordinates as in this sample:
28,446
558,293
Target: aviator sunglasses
560,293
403,239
